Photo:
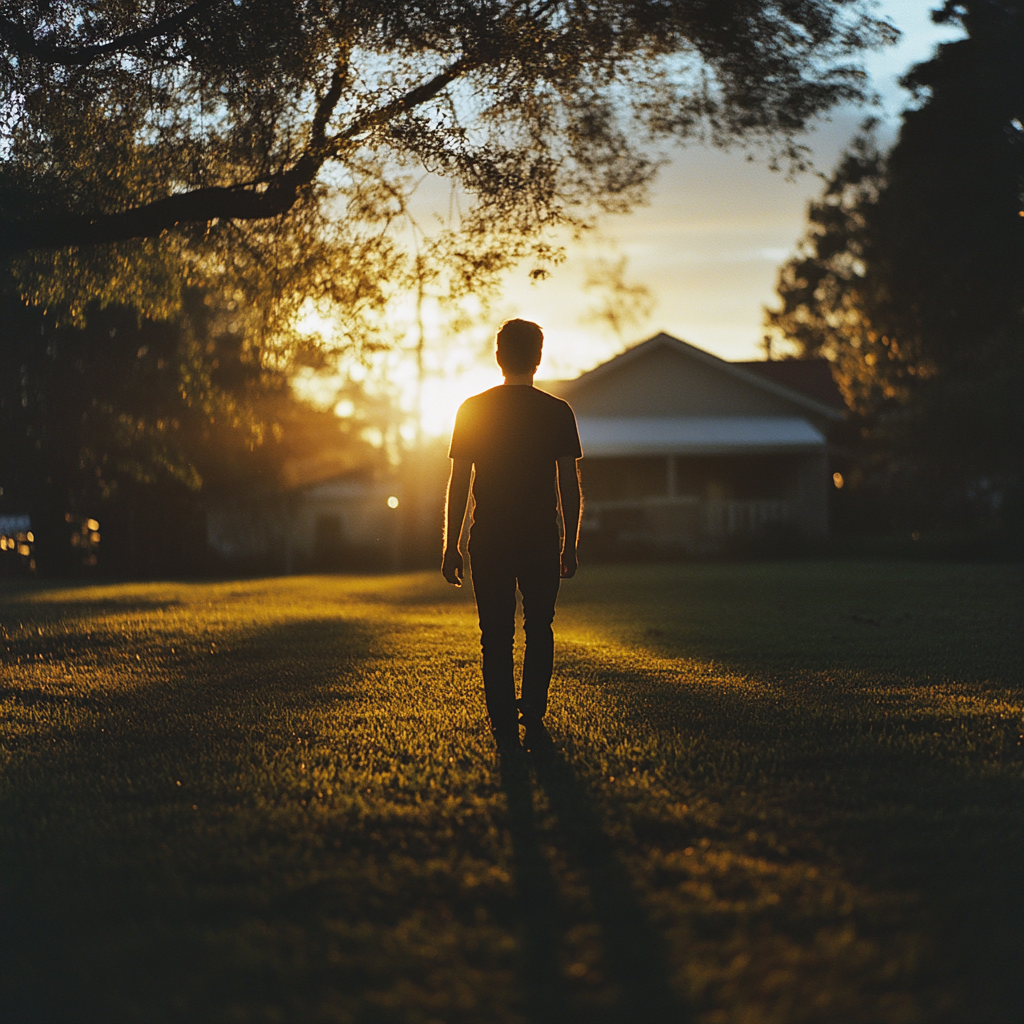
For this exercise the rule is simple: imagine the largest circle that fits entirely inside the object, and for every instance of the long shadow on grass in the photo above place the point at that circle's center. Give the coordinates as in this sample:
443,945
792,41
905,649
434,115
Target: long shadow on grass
634,951
538,896
124,847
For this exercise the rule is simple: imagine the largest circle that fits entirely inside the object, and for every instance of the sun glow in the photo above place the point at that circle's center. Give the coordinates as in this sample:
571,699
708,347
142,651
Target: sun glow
441,398
453,369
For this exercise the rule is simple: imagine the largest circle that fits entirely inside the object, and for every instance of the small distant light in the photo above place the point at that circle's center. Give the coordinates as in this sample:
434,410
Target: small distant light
837,479
915,535
94,537
392,502
24,549
30,537
92,524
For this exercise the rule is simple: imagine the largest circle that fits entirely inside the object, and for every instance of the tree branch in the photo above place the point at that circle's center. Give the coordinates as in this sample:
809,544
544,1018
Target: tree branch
413,98
228,203
21,41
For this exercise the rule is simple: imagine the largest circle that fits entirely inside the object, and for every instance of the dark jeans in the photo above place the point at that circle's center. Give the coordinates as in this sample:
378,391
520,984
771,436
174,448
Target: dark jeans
498,567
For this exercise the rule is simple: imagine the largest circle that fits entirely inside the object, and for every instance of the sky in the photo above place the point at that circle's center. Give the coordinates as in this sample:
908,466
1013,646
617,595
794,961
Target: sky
708,246
716,230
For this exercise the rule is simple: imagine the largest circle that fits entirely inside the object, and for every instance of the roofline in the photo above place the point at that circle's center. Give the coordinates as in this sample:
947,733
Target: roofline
663,340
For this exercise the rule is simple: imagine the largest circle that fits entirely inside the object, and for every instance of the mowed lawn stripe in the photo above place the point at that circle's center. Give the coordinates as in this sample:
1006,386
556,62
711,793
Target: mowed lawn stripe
773,793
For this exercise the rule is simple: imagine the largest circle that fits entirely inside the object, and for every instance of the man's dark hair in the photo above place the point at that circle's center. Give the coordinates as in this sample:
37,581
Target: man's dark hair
519,346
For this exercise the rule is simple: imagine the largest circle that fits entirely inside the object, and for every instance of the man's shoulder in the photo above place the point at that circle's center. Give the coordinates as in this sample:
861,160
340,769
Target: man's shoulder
552,400
529,400
553,406
482,398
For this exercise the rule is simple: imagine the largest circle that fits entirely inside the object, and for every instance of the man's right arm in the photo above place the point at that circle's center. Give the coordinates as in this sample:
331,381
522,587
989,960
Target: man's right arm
571,501
452,564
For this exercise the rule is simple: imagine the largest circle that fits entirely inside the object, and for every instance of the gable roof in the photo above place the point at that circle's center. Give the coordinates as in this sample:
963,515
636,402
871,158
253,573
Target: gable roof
738,371
811,377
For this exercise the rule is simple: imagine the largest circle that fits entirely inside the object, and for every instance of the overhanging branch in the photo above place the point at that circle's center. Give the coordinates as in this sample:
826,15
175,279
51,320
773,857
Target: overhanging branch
226,203
21,41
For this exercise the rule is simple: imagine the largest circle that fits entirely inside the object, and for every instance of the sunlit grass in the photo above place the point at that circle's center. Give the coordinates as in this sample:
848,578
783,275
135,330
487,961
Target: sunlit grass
775,793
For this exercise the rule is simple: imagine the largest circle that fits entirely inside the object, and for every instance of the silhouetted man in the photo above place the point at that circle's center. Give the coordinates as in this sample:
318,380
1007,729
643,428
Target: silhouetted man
523,445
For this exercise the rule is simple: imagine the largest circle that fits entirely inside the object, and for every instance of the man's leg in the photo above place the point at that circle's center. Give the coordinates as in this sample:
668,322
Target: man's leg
494,583
539,576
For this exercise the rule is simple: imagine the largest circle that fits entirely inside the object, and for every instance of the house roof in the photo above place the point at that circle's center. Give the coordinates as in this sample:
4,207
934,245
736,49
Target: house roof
607,436
817,403
811,377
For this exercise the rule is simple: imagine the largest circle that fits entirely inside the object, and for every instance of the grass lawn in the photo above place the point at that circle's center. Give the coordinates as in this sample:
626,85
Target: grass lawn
772,793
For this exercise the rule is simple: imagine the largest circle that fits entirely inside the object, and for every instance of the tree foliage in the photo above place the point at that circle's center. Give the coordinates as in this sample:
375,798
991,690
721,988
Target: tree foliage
276,137
911,275
126,418
622,303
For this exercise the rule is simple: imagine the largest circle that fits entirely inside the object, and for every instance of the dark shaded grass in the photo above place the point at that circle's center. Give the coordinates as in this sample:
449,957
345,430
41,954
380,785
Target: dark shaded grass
933,846
864,720
118,877
783,793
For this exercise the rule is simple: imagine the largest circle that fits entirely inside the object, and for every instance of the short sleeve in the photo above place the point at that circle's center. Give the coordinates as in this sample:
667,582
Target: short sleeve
464,440
568,436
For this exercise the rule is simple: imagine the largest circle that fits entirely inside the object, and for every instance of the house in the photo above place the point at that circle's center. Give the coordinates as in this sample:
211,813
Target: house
346,521
687,452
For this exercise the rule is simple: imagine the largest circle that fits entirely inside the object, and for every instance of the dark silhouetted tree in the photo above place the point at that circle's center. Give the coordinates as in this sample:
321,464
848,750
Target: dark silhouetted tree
911,279
126,418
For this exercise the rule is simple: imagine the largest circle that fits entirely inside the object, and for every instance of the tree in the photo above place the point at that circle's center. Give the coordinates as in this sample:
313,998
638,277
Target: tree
621,303
126,419
911,277
274,137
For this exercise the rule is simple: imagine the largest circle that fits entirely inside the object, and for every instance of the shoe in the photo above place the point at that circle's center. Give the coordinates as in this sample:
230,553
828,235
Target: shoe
506,735
507,741
536,738
530,718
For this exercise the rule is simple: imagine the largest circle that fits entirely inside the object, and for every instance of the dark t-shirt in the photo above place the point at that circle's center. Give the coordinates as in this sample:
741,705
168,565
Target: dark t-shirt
513,434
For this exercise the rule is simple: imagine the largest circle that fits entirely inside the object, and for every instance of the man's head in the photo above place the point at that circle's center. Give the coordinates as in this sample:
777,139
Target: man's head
519,346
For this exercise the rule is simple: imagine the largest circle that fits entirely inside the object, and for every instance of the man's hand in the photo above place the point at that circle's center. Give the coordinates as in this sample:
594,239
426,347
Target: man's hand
569,562
453,567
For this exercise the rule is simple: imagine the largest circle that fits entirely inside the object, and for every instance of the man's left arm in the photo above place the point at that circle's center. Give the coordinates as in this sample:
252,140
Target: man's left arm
571,500
452,563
